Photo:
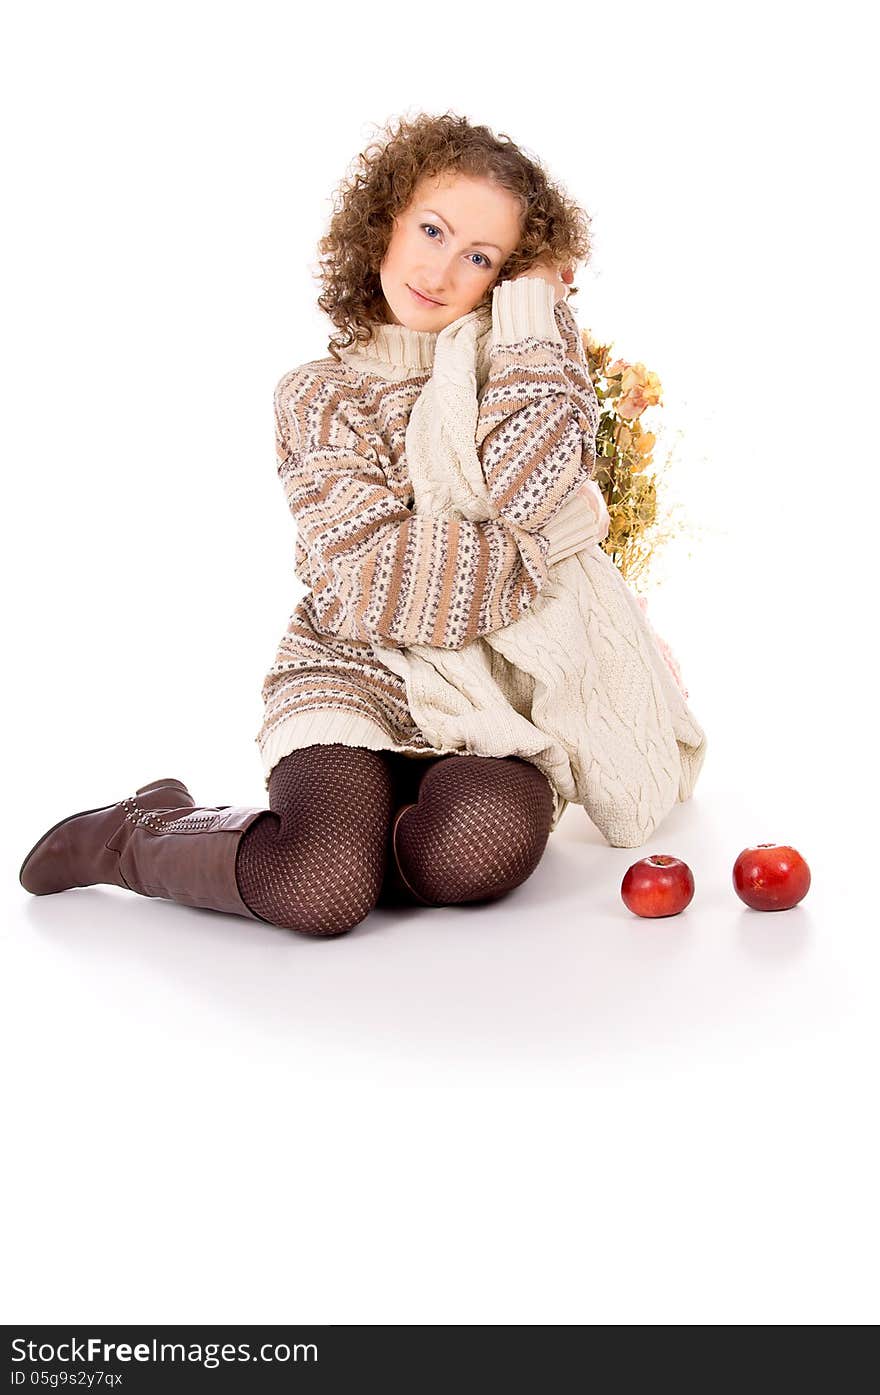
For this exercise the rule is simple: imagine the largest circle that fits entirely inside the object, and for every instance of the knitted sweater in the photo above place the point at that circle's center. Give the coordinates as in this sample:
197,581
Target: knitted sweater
578,685
378,573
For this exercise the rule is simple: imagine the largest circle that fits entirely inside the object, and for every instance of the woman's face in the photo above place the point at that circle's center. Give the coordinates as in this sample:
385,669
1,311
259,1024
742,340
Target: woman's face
451,242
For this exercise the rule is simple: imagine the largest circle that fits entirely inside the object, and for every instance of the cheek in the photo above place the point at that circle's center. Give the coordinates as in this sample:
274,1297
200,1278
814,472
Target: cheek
395,244
402,251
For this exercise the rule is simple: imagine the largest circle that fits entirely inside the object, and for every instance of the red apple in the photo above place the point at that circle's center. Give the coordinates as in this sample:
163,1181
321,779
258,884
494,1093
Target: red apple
658,885
771,877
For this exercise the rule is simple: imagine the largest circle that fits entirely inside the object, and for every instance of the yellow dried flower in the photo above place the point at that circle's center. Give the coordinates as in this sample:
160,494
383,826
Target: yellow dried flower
624,452
645,442
633,403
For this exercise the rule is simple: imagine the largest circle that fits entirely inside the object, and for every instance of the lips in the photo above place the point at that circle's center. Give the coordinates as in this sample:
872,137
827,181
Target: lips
425,298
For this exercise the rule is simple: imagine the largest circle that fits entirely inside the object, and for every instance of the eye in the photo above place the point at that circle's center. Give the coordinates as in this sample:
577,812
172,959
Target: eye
486,267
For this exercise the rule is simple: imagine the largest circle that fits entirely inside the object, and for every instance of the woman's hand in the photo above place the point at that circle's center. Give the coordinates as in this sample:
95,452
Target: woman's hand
591,495
558,275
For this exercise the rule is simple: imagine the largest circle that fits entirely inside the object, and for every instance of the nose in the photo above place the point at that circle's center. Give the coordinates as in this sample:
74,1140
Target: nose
439,280
435,286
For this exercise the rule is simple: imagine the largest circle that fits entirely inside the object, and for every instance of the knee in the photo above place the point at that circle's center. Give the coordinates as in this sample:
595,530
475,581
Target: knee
478,830
318,887
491,797
322,908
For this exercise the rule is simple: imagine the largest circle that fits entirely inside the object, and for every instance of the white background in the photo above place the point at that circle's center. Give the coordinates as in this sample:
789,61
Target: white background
543,1110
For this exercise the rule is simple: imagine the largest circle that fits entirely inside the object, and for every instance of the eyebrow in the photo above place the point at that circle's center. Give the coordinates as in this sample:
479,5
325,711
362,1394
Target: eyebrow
452,229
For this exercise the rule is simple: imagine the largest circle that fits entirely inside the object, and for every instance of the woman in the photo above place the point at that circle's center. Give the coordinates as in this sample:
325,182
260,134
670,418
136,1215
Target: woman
437,220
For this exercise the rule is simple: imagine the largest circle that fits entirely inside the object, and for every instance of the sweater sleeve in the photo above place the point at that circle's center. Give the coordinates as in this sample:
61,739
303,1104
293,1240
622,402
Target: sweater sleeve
377,570
538,414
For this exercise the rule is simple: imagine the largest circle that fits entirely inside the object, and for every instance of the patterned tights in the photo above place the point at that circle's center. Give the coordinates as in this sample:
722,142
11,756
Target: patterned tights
322,857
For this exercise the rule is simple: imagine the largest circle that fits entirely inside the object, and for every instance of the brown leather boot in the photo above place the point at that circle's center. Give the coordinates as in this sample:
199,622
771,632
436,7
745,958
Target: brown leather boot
155,842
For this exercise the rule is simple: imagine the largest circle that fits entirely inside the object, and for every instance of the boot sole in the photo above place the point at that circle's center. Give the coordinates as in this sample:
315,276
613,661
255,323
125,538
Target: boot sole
155,784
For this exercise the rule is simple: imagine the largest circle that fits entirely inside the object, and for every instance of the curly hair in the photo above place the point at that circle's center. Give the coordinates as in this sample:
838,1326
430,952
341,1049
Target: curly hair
381,185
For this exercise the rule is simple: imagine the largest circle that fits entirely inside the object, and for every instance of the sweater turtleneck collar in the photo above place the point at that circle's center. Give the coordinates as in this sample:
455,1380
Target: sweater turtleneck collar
397,346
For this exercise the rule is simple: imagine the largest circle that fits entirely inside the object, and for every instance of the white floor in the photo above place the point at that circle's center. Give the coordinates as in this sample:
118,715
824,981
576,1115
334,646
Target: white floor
542,1110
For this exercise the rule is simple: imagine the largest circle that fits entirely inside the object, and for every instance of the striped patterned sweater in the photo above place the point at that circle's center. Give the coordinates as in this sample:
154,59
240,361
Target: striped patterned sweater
376,571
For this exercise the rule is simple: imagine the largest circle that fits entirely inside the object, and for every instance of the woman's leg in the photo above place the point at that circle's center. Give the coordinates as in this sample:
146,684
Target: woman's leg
313,861
477,829
318,866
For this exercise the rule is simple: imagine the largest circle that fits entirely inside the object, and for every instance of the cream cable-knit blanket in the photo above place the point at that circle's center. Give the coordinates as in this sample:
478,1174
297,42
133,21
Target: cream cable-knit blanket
579,686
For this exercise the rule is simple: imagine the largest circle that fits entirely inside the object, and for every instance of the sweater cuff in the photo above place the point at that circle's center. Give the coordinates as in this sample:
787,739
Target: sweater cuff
572,527
524,309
